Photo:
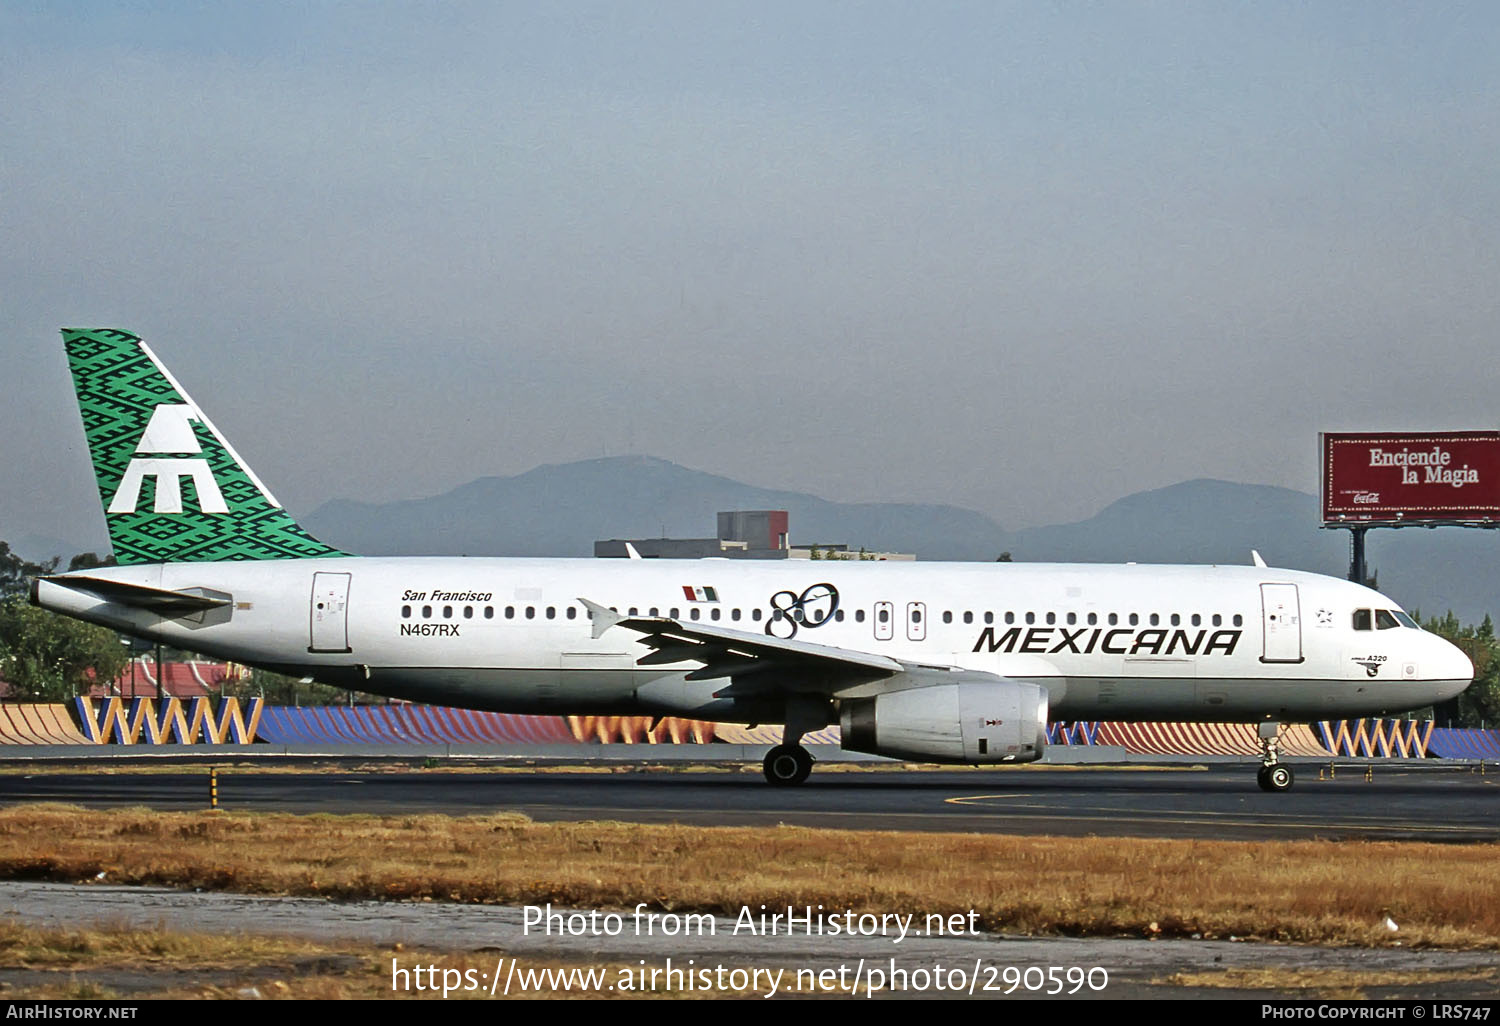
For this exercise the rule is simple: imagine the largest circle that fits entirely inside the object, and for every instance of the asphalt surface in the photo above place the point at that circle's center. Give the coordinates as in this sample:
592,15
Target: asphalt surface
1450,804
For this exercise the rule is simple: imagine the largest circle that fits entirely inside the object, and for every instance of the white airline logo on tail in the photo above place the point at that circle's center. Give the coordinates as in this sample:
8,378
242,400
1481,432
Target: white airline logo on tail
170,432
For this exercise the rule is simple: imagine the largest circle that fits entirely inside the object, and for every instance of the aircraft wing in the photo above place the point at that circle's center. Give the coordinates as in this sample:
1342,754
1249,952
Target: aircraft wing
756,663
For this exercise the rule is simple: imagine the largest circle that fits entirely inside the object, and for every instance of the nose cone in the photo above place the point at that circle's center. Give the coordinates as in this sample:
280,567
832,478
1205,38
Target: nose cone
1453,669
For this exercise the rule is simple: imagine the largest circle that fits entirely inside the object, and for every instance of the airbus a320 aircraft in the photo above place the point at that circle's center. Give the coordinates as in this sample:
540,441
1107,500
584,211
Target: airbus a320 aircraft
932,662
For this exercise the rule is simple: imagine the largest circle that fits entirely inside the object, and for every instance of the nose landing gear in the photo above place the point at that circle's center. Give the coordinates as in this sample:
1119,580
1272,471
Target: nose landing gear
1273,775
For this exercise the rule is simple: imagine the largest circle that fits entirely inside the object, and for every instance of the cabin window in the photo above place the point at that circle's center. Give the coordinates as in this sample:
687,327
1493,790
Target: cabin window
489,612
552,612
1072,619
916,617
1176,620
1197,620
510,612
1218,621
673,613
1093,619
426,612
572,612
1239,621
755,614
883,615
1051,618
734,614
468,612
859,616
1114,618
713,614
1030,617
1135,619
1155,620
989,617
839,615
531,612
447,612
406,612
696,612
968,616
1010,617
655,611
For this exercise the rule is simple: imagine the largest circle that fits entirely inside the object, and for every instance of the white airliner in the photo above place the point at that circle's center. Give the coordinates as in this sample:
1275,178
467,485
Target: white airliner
936,662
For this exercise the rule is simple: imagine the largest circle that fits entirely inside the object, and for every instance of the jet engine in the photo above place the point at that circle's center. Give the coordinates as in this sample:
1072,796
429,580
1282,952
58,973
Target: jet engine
973,723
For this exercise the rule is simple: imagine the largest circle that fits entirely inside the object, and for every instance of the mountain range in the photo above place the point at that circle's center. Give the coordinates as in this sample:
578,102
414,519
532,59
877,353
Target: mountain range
561,509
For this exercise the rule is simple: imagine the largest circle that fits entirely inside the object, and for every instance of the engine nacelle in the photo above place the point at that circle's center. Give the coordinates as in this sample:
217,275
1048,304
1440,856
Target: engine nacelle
975,723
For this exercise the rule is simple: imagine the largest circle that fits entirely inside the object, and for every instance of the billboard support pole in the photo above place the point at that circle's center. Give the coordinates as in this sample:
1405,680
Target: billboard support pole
1357,556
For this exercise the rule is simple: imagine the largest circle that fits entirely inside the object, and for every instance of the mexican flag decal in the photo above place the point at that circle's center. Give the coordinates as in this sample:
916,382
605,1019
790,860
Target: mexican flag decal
699,594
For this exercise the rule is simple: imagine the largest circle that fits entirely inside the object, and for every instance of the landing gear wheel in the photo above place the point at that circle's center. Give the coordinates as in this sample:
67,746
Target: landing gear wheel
1275,778
787,765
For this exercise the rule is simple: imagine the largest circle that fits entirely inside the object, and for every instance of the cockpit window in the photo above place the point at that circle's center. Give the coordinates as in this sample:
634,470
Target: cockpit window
1384,621
1361,619
1404,620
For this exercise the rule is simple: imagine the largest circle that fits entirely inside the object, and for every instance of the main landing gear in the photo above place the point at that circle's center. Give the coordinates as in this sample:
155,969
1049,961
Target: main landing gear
1273,775
789,764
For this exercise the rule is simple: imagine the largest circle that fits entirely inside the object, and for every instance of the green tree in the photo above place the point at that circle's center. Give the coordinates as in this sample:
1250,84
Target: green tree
1480,704
15,572
47,657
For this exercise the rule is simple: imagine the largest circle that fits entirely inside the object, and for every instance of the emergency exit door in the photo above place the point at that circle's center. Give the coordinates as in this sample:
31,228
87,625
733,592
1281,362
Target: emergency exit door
330,613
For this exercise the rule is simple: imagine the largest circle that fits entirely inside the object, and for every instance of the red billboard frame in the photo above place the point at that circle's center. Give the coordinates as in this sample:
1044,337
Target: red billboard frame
1391,479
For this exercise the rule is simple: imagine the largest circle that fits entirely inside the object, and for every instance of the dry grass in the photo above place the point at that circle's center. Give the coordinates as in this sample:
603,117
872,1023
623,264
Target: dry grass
1345,984
1304,891
114,963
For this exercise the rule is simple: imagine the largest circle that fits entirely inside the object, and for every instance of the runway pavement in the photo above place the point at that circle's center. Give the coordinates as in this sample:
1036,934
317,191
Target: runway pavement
1405,802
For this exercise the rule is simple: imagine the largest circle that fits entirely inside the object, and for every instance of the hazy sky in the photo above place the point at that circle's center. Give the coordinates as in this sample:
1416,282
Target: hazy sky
1024,258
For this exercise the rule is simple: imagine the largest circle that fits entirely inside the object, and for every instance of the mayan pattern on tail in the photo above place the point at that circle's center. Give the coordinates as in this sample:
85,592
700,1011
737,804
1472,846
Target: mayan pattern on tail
173,489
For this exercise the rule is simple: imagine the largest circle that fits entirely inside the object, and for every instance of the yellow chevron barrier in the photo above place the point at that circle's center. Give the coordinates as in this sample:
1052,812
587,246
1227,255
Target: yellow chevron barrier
1400,739
143,723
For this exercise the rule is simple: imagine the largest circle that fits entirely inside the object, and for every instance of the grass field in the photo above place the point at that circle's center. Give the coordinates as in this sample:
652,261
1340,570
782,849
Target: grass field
1299,891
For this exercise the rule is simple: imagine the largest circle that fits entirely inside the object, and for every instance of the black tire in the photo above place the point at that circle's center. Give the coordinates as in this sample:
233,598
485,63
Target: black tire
1260,778
1279,777
787,765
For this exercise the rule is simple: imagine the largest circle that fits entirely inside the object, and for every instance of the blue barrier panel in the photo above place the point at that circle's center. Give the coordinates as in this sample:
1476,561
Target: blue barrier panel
1464,743
373,722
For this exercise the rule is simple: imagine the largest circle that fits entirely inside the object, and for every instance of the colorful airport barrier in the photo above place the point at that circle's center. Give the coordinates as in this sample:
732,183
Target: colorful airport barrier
1370,739
407,724
1204,739
765,734
1072,733
35,723
200,721
1464,743
635,730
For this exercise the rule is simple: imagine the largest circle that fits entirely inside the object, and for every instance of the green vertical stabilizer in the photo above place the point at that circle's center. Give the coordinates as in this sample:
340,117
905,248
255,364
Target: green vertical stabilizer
173,489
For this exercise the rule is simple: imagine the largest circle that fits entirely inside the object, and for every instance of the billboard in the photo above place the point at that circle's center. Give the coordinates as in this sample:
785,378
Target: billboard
1393,479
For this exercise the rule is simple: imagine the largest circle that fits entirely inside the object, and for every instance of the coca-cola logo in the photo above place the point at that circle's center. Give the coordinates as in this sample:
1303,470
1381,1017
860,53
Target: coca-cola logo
1366,498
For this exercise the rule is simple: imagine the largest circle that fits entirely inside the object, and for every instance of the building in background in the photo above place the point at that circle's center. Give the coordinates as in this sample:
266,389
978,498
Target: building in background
743,534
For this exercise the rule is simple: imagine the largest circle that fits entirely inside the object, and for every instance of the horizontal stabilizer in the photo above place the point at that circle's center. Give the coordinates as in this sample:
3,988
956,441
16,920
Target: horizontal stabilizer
141,596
